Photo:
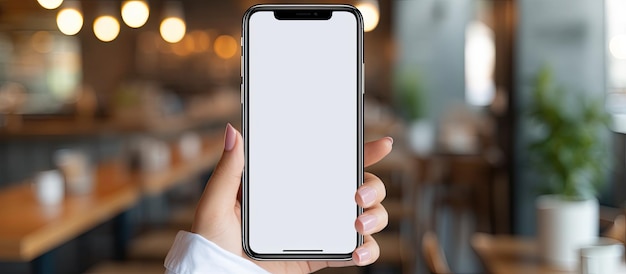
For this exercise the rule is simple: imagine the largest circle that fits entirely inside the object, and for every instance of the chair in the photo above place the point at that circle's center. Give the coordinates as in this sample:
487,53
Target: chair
433,254
617,231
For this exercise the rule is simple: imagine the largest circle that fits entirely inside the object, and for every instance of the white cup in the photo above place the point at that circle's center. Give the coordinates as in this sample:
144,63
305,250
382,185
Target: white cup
77,170
190,146
602,257
154,155
49,187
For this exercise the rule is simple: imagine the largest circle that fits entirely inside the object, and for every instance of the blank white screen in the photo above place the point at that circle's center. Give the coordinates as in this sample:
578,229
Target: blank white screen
302,133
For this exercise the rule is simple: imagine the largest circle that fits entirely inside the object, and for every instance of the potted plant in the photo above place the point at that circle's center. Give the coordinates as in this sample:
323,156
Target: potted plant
410,97
570,153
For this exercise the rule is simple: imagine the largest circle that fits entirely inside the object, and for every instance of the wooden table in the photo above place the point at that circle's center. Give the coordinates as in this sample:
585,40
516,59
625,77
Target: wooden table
466,182
29,230
505,254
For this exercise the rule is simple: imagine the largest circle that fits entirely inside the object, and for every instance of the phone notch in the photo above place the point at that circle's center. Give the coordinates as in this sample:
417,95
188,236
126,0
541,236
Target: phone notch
303,14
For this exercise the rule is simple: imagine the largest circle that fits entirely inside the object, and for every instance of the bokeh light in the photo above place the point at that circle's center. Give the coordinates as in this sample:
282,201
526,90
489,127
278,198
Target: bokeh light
201,40
185,47
172,29
617,46
370,13
106,28
225,46
69,21
135,13
50,4
480,63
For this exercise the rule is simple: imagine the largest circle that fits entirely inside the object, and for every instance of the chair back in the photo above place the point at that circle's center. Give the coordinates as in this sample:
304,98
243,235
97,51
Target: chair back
617,230
433,254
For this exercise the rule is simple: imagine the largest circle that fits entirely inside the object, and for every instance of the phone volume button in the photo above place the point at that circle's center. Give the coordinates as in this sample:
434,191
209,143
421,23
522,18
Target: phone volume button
363,78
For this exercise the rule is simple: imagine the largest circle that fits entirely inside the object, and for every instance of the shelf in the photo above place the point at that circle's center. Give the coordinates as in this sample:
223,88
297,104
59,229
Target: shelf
183,170
64,126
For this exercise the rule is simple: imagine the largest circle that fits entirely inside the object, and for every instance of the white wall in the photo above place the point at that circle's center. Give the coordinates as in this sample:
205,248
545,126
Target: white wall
568,36
431,38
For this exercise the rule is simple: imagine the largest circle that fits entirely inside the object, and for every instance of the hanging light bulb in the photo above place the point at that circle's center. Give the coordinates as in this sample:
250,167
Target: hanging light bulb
106,28
371,14
69,19
50,4
135,13
173,26
173,29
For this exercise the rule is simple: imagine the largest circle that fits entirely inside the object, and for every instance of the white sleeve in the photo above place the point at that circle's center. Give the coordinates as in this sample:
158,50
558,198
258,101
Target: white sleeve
192,253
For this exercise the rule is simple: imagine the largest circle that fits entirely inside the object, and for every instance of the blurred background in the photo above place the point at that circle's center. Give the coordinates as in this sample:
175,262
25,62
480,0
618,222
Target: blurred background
112,115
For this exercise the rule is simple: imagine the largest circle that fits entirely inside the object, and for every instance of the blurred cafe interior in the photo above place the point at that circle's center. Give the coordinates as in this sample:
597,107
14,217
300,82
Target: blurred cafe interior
508,118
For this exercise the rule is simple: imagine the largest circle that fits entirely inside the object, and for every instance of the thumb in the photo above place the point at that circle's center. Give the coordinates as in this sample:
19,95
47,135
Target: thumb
221,191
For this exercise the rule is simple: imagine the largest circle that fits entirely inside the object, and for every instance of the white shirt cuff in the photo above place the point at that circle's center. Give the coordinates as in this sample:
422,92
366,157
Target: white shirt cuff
192,253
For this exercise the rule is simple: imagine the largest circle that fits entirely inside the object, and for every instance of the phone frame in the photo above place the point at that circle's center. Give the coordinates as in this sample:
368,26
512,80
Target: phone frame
244,99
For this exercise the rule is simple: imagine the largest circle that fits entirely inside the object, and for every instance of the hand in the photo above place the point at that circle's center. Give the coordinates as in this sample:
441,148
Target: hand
218,216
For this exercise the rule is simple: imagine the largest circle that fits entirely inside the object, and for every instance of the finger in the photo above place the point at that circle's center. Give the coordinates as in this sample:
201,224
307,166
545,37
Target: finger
221,191
317,265
376,150
373,220
371,192
367,253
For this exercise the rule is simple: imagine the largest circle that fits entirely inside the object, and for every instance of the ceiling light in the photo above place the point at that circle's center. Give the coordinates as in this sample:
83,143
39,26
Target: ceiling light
69,21
50,4
135,13
106,28
371,14
173,26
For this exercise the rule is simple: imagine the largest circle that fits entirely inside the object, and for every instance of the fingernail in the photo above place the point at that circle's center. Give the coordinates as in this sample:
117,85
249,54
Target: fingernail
363,255
229,138
368,222
390,139
367,195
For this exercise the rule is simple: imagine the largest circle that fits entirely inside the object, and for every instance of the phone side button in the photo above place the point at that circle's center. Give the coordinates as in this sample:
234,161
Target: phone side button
241,93
363,78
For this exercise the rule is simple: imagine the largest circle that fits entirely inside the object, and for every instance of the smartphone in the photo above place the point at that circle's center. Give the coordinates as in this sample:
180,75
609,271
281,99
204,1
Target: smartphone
302,96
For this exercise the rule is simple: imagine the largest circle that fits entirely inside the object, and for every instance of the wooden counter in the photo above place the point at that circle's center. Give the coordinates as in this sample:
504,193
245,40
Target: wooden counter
29,229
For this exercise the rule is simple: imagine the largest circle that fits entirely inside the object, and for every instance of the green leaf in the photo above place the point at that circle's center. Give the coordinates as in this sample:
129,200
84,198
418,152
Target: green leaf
569,153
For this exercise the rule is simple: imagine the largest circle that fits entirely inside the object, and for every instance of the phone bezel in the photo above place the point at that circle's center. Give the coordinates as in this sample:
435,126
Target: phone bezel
245,118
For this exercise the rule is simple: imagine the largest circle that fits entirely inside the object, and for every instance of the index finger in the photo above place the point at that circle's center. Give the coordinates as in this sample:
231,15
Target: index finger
375,151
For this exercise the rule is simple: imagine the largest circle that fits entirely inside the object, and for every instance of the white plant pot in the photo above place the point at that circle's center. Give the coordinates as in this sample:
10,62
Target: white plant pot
421,135
564,226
